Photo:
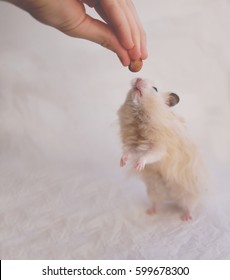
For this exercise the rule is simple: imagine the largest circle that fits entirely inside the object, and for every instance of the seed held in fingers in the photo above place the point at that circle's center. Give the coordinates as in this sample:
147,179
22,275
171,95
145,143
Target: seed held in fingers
135,65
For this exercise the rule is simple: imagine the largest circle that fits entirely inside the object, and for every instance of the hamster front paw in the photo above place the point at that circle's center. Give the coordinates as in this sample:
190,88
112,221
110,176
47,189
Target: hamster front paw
123,160
140,165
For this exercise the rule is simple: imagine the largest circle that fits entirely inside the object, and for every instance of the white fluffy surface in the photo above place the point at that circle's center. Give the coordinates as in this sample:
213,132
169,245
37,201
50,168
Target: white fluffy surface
62,192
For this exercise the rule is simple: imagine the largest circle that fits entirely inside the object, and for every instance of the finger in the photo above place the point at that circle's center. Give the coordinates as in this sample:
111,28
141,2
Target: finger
138,32
116,17
144,52
134,52
100,33
139,50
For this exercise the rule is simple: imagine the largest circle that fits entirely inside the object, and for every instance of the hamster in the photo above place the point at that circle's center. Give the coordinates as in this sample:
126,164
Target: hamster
157,143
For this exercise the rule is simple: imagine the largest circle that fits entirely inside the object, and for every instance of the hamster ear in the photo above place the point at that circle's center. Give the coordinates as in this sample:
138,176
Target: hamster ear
172,99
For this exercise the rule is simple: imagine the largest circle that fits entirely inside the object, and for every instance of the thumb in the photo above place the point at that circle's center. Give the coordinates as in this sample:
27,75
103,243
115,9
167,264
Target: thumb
98,32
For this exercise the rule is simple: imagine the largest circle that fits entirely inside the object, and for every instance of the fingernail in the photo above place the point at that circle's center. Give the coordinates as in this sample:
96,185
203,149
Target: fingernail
125,61
134,53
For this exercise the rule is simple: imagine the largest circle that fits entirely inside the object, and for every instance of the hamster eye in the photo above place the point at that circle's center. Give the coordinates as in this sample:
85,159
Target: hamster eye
155,89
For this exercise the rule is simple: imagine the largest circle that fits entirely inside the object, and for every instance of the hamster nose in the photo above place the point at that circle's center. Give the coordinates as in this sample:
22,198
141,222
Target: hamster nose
138,80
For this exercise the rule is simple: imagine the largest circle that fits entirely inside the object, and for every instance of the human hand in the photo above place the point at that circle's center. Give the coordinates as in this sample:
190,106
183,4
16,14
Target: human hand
121,32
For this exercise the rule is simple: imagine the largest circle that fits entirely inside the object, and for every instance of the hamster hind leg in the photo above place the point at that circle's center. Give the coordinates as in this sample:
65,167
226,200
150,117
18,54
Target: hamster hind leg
186,215
155,191
187,204
152,210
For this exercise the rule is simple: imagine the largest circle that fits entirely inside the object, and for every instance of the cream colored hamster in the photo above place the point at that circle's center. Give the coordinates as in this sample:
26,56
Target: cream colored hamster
157,143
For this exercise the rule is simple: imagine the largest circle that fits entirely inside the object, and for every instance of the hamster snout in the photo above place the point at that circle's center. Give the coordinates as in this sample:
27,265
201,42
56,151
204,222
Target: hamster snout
141,84
138,82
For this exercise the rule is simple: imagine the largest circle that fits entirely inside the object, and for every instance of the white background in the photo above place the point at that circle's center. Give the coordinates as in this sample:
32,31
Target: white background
62,192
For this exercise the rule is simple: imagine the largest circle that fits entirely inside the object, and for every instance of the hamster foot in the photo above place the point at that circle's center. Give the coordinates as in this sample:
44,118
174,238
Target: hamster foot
151,211
186,217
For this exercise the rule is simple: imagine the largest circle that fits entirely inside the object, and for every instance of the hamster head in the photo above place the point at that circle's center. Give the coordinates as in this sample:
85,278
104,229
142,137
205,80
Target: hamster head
144,105
145,112
143,91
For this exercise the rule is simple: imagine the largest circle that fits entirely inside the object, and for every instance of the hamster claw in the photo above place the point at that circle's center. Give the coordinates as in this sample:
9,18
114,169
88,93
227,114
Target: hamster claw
123,160
186,217
151,211
140,165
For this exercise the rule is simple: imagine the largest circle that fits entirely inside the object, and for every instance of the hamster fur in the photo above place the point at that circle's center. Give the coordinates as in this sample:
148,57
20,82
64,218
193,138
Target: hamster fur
157,143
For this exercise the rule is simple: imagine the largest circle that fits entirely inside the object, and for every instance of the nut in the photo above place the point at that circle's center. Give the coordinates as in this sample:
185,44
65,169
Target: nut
135,65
